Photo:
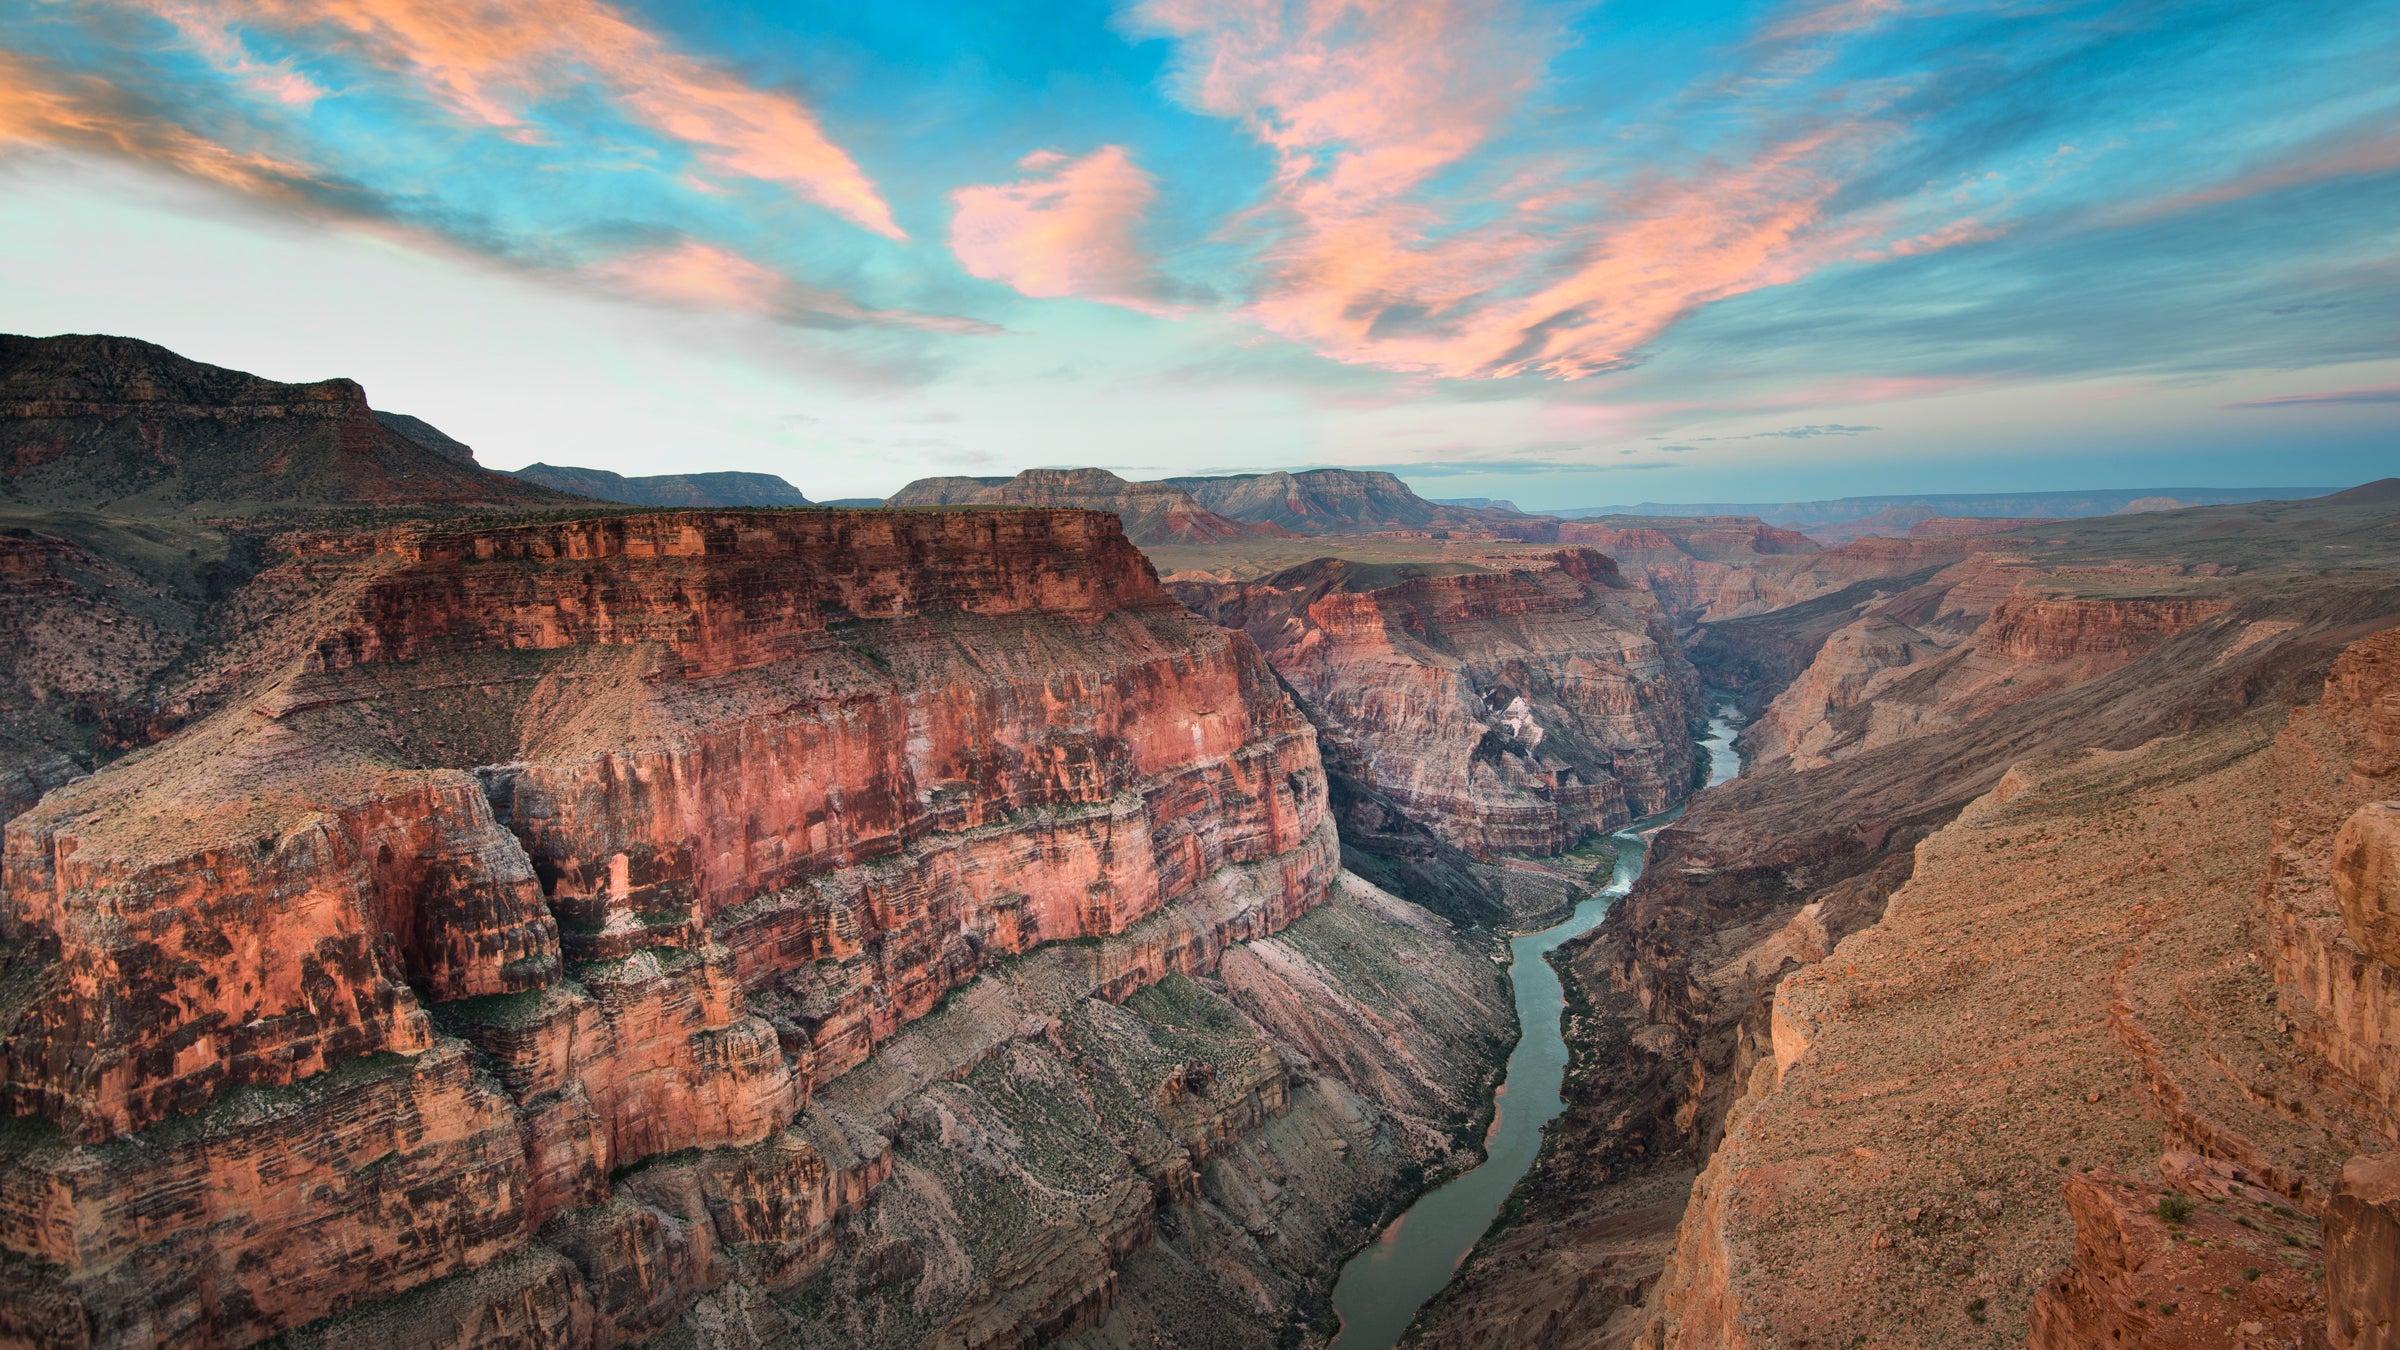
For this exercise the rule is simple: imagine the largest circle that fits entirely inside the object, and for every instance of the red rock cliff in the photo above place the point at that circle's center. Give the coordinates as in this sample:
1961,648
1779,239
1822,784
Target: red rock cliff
670,817
1503,710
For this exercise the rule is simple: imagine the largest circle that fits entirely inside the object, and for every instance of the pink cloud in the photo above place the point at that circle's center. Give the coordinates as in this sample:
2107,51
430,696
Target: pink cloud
1065,230
209,32
489,61
1966,230
2343,154
693,275
1373,109
40,106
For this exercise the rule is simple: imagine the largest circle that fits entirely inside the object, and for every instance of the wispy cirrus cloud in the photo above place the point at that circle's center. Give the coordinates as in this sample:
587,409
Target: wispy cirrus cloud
697,275
42,105
492,62
2384,393
1389,247
1067,229
233,94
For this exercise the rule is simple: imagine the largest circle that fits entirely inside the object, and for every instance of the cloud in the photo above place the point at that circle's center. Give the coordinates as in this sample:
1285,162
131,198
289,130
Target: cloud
1391,241
1803,433
40,105
2387,393
1067,229
695,275
491,62
2356,151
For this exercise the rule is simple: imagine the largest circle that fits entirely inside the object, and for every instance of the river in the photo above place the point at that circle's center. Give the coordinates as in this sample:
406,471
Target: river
1382,1287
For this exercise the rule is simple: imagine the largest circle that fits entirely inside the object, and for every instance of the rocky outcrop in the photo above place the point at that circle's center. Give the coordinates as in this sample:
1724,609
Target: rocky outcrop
672,490
2324,910
1713,568
2362,1256
1153,513
1804,998
87,421
2158,1265
1519,710
1973,638
1355,501
428,435
558,848
143,491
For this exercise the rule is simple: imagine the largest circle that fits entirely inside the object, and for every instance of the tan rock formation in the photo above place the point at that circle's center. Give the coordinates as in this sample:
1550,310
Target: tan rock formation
2059,973
1713,568
2366,879
2362,1256
2141,1277
1502,710
1354,501
1976,637
772,786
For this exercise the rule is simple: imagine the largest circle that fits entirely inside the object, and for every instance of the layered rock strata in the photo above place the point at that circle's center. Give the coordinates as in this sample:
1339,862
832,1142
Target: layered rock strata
1153,513
139,492
1972,639
90,421
1521,710
563,848
1865,1199
1355,501
2145,1057
1713,568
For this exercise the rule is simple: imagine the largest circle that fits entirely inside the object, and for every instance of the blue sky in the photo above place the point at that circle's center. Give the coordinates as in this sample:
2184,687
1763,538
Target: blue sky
1569,254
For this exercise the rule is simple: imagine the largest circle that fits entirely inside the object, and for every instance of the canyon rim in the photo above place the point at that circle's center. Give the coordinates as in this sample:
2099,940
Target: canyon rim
1199,675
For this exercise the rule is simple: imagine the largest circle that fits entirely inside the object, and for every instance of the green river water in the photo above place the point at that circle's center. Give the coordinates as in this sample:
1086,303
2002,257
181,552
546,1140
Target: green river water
1382,1287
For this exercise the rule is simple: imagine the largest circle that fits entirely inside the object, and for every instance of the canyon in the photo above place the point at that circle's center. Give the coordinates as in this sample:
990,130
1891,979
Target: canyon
496,920
568,931
1518,710
2030,936
441,911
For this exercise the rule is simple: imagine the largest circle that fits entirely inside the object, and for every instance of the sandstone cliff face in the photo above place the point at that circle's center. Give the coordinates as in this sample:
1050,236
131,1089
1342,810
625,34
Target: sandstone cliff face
1714,568
1976,637
1154,513
557,848
1504,711
2143,889
1879,1100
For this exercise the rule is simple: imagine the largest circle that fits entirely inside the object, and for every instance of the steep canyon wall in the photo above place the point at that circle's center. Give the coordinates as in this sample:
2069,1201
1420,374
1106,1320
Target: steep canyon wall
572,929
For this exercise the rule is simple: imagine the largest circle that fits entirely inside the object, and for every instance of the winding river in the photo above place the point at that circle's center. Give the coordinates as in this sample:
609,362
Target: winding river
1382,1287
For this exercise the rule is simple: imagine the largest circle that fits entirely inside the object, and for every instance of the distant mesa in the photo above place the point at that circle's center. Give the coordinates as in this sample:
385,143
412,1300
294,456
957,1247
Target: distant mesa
428,435
854,502
1355,501
1154,513
1200,510
667,489
90,421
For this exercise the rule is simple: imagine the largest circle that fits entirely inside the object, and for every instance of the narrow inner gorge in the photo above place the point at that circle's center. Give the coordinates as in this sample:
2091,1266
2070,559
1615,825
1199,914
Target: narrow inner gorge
1383,1286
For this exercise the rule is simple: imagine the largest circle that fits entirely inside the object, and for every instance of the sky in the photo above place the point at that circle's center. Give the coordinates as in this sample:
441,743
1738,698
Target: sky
1567,254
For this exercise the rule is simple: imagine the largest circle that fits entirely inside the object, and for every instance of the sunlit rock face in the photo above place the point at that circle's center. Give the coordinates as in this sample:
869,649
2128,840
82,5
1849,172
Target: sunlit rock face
537,851
1505,710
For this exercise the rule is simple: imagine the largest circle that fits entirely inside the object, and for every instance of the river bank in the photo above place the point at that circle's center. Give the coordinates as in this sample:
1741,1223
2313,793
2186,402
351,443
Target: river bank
1381,1288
